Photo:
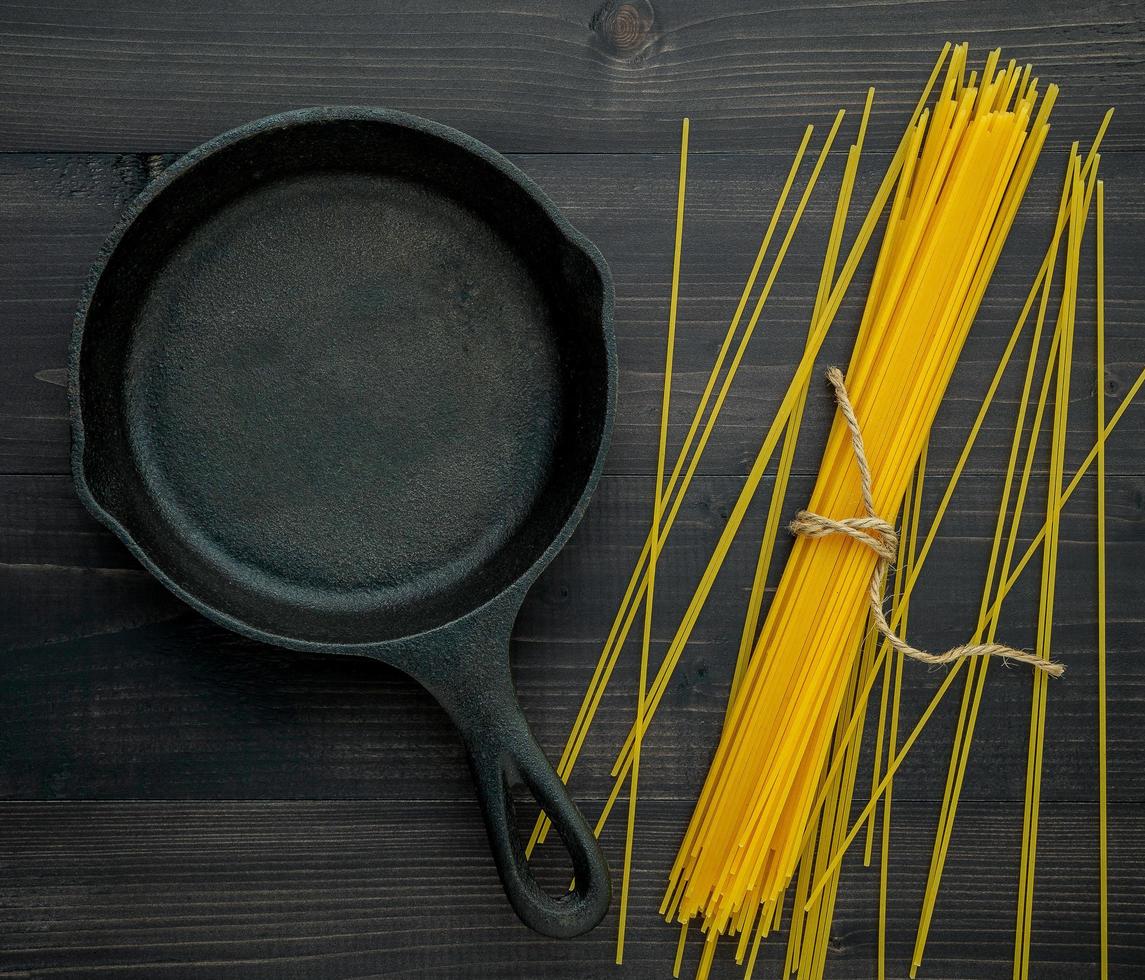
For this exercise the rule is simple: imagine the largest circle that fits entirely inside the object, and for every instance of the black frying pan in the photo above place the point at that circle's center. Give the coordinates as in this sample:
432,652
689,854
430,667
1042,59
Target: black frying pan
343,380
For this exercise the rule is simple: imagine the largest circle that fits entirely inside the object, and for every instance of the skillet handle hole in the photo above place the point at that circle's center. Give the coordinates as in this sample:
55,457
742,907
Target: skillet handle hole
550,862
510,767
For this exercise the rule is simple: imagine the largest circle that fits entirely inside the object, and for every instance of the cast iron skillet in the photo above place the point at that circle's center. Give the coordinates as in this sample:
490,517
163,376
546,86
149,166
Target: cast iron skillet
343,380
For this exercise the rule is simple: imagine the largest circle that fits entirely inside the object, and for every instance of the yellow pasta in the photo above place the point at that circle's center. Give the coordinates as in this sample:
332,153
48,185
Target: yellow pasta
902,601
791,437
774,810
892,236
991,616
638,582
1102,801
976,672
1029,155
680,950
1007,583
1049,581
763,458
657,507
749,827
624,760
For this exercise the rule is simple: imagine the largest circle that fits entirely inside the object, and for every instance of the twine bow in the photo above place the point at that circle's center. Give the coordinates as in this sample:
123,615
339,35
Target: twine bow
880,537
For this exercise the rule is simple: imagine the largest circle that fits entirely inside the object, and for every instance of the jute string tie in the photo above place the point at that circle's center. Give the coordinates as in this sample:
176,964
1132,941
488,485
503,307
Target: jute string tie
879,535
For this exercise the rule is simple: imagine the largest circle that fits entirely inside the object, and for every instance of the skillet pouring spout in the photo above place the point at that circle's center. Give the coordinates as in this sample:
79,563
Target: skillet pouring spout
343,379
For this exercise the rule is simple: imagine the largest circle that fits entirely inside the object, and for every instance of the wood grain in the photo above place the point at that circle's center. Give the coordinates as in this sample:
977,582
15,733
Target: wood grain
139,698
176,802
368,889
583,75
55,211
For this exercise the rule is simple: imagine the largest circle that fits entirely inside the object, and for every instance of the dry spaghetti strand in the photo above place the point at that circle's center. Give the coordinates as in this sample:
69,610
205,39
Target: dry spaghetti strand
1102,803
657,507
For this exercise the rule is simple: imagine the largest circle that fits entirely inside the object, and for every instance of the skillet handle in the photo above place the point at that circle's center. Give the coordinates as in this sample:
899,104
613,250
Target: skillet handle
507,751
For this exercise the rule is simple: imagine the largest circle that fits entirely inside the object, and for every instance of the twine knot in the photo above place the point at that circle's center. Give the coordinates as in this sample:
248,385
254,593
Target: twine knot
879,535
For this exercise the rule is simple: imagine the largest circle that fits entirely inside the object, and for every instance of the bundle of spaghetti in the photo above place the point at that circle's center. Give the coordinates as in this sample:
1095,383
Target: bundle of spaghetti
638,581
905,155
968,168
622,765
1040,286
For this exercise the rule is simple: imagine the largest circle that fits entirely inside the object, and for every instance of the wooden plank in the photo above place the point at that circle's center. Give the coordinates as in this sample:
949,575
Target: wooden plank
55,211
225,889
110,689
584,75
139,698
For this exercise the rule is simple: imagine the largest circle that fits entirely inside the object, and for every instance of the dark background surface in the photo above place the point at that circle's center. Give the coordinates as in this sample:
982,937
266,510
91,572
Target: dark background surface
176,802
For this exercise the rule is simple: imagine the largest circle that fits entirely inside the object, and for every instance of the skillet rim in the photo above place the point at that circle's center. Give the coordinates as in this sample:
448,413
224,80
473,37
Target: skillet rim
513,593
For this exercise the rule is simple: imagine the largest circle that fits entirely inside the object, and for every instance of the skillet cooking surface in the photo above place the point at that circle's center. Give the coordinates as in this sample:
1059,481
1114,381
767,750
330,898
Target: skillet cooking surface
377,408
358,396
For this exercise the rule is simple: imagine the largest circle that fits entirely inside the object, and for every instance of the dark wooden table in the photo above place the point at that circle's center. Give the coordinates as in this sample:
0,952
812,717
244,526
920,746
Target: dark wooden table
177,802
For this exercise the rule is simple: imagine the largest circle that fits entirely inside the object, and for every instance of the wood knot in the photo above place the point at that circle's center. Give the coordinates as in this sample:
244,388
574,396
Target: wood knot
625,29
155,164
